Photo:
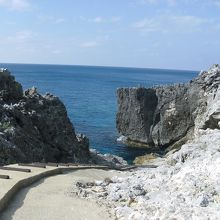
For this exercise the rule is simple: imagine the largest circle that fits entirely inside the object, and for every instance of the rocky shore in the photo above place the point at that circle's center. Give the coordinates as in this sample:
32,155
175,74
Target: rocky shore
36,128
185,183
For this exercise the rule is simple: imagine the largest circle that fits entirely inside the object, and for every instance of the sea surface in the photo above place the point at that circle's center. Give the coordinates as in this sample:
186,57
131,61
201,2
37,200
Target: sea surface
89,93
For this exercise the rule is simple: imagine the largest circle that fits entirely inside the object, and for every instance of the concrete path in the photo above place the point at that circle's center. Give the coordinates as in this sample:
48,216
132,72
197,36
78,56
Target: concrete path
18,180
50,199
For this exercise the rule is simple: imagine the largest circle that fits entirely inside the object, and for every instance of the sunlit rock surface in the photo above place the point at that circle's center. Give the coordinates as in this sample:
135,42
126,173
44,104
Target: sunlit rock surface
186,183
160,116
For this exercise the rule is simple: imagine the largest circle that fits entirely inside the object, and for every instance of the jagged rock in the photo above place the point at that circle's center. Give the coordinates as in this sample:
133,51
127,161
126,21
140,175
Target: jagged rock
10,89
185,183
188,188
35,127
161,116
107,159
83,144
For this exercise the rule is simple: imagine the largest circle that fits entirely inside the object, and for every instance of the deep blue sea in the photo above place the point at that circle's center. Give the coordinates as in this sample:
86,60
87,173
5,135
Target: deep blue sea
89,94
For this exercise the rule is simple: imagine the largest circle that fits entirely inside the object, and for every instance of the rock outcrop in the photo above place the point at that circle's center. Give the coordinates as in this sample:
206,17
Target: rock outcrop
185,182
35,127
185,185
163,115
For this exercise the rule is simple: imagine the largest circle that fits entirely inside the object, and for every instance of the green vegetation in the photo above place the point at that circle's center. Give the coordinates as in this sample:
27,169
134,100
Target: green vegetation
5,125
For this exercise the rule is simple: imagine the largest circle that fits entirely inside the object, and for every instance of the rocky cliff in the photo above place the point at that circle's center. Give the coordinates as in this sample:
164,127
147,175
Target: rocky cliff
185,182
164,115
35,127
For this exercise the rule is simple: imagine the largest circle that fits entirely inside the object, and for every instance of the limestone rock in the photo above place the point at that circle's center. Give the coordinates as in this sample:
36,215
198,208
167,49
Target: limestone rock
136,113
188,188
186,182
161,116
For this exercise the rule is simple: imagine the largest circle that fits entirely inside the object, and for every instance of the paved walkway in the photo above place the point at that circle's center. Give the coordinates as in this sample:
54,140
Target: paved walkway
19,180
50,199
9,188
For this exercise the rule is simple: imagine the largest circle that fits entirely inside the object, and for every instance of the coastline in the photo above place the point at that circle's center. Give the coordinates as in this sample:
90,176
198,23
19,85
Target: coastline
90,114
183,184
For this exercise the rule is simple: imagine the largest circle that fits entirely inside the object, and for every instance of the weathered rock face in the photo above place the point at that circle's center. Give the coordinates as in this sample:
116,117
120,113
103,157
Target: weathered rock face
10,89
185,182
35,127
136,113
163,115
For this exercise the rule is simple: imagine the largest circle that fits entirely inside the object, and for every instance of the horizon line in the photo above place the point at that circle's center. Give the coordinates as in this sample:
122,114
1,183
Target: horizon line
101,66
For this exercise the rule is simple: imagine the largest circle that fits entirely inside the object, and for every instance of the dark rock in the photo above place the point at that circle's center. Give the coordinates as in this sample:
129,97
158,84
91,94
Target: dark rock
155,117
80,185
107,181
35,127
136,113
10,89
204,201
161,116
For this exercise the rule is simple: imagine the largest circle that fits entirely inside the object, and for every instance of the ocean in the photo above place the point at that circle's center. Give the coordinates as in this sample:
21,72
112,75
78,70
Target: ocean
89,94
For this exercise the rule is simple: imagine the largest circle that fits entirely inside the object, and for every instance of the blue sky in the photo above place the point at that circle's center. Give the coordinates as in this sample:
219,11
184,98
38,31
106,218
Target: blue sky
176,34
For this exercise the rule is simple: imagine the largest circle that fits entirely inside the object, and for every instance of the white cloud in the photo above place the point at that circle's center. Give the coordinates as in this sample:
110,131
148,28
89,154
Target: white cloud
89,44
23,41
21,36
52,19
170,23
59,20
100,19
189,20
145,23
18,5
95,42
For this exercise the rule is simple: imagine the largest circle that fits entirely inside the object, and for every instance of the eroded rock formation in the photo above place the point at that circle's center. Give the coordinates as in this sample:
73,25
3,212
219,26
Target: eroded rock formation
185,182
161,116
35,127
